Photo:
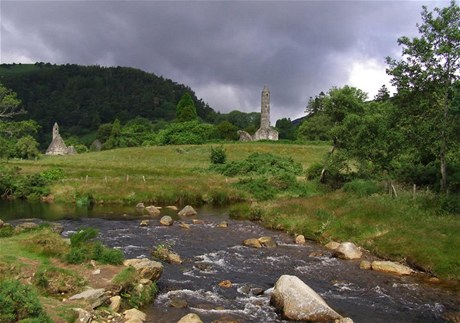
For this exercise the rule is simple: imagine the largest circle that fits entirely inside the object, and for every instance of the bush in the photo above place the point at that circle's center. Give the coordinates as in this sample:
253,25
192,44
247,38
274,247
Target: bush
27,148
20,302
218,155
183,133
84,248
261,164
362,187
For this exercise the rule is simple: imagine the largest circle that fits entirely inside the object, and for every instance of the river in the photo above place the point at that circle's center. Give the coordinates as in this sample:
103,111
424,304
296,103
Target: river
212,254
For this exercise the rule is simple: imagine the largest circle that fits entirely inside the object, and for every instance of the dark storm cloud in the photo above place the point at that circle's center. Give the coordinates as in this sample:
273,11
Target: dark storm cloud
226,51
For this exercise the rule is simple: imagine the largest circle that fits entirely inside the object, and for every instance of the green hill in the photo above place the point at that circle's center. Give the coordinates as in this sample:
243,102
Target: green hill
81,98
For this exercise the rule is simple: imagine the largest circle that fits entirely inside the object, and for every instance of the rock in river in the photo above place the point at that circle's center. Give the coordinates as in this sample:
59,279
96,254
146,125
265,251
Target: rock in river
348,250
187,211
299,302
391,267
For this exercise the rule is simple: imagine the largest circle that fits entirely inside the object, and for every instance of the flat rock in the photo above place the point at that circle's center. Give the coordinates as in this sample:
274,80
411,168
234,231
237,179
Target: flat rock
187,211
297,301
95,297
184,225
146,268
252,242
172,207
223,224
144,223
391,267
348,250
190,318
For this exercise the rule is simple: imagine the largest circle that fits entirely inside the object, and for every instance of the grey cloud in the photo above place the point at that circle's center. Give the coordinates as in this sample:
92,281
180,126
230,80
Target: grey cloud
297,48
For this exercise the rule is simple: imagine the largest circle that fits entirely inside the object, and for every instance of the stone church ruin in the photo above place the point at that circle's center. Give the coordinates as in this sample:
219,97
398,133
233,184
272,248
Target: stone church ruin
58,146
265,132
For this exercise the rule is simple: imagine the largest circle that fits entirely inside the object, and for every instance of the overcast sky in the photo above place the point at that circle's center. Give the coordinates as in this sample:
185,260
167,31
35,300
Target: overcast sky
226,51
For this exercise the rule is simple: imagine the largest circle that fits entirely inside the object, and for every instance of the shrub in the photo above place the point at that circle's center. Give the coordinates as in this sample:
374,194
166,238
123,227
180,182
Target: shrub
20,302
261,164
218,155
190,132
85,248
6,231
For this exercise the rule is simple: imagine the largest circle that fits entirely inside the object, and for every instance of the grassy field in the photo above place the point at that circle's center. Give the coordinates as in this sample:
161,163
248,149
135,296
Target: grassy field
402,229
161,174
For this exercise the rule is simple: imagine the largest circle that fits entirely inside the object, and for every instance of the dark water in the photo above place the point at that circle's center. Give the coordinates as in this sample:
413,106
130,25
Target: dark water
213,254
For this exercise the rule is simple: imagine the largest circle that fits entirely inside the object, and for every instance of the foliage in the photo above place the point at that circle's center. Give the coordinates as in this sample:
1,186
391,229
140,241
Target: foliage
185,110
218,155
20,302
426,78
315,127
227,130
286,129
81,98
191,132
9,103
85,248
27,148
261,164
14,184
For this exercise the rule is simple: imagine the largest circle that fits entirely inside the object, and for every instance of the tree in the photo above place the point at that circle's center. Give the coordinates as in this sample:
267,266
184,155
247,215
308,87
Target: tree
383,94
185,110
27,148
426,74
286,129
9,103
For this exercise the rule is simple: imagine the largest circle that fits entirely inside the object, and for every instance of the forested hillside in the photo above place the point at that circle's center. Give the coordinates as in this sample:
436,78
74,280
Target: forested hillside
81,98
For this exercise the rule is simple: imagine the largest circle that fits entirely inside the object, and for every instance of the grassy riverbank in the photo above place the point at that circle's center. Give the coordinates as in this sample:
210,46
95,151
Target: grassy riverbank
402,229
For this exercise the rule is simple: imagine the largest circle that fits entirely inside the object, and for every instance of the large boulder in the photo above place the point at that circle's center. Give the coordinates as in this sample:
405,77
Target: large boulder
94,297
348,250
296,301
391,267
146,268
187,211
